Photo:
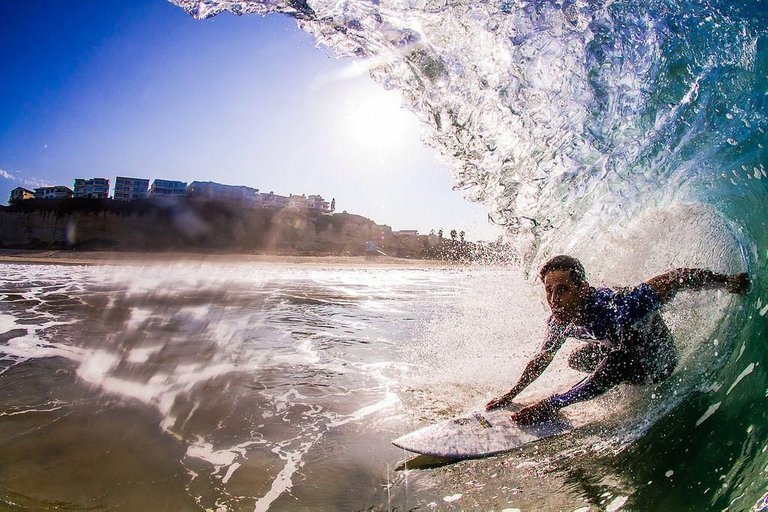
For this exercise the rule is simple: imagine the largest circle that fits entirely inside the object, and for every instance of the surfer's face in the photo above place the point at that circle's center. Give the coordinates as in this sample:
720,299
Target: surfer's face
563,295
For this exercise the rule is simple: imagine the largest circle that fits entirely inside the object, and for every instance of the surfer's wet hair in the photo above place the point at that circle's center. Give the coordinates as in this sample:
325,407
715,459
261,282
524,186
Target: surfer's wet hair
564,262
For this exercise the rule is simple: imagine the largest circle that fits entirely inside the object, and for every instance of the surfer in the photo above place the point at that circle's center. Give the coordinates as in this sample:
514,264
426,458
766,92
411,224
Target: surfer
630,341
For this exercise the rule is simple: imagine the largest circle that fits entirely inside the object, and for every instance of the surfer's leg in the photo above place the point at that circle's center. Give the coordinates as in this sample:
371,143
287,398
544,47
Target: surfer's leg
666,361
658,358
618,366
587,357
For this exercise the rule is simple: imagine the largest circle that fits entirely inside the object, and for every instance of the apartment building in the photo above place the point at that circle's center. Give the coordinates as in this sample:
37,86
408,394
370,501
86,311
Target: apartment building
240,195
20,194
273,200
130,189
297,202
54,192
317,203
94,188
168,188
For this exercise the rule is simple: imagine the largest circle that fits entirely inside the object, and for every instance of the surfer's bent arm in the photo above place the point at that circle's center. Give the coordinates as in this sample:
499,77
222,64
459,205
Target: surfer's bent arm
667,285
535,367
533,371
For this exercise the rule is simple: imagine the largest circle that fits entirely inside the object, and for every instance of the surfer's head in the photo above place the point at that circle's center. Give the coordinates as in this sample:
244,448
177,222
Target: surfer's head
565,285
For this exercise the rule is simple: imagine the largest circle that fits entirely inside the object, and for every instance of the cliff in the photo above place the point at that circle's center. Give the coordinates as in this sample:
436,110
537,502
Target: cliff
154,225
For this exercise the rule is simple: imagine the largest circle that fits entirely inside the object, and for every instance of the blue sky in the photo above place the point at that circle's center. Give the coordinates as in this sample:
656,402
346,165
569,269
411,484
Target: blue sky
138,88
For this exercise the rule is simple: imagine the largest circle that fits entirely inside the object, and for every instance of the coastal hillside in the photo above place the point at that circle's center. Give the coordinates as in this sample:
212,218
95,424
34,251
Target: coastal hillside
156,225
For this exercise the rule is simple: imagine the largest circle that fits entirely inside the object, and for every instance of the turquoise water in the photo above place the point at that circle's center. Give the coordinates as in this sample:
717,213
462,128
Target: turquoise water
632,134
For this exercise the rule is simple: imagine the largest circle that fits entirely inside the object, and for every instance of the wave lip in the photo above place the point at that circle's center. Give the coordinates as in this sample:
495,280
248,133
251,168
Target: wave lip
548,110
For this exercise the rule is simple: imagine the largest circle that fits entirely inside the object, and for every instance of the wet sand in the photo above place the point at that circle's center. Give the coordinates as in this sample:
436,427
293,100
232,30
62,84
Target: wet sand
63,257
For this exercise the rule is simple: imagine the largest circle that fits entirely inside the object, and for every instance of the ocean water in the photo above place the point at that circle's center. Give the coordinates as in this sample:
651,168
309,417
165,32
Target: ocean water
239,387
225,386
629,134
633,136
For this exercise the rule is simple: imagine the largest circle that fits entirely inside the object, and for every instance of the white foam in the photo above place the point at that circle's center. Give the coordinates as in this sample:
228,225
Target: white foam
616,503
709,412
95,366
283,480
137,317
141,355
205,451
230,472
27,411
7,323
749,369
391,399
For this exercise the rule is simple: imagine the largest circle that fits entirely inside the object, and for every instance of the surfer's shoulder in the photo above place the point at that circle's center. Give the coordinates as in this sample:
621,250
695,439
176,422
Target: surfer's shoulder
599,298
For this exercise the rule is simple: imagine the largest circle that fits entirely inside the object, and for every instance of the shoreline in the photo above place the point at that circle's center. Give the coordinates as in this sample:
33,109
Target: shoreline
64,257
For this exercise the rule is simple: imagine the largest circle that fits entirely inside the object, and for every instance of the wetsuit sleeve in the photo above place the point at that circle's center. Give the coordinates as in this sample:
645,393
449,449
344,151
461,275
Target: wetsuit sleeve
584,390
555,336
637,304
614,369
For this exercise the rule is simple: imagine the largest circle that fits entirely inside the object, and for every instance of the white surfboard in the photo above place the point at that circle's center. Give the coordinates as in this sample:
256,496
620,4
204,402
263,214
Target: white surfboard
478,434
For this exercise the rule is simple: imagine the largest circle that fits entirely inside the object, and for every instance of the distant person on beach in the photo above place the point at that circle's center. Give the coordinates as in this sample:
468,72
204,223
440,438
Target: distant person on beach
630,341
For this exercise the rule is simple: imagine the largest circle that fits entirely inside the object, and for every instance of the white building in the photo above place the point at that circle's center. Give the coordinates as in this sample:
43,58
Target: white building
317,203
168,188
55,192
297,202
94,188
241,195
273,200
129,189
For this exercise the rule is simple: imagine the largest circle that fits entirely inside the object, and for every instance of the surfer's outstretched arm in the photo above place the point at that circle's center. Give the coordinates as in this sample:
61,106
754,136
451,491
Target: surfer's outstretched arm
536,366
611,371
532,371
667,285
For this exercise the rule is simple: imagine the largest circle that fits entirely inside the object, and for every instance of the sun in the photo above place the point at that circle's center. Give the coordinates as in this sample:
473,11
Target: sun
373,119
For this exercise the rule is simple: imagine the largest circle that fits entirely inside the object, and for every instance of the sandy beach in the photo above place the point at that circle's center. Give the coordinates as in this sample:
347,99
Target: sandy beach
62,257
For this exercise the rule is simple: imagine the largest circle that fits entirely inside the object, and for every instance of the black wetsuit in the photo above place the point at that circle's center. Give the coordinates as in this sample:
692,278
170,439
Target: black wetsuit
635,344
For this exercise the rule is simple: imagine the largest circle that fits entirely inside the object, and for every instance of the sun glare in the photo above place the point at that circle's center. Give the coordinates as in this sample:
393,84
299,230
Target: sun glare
374,120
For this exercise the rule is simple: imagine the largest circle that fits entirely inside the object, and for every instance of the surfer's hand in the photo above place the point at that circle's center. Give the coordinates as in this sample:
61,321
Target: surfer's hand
535,413
502,401
738,283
